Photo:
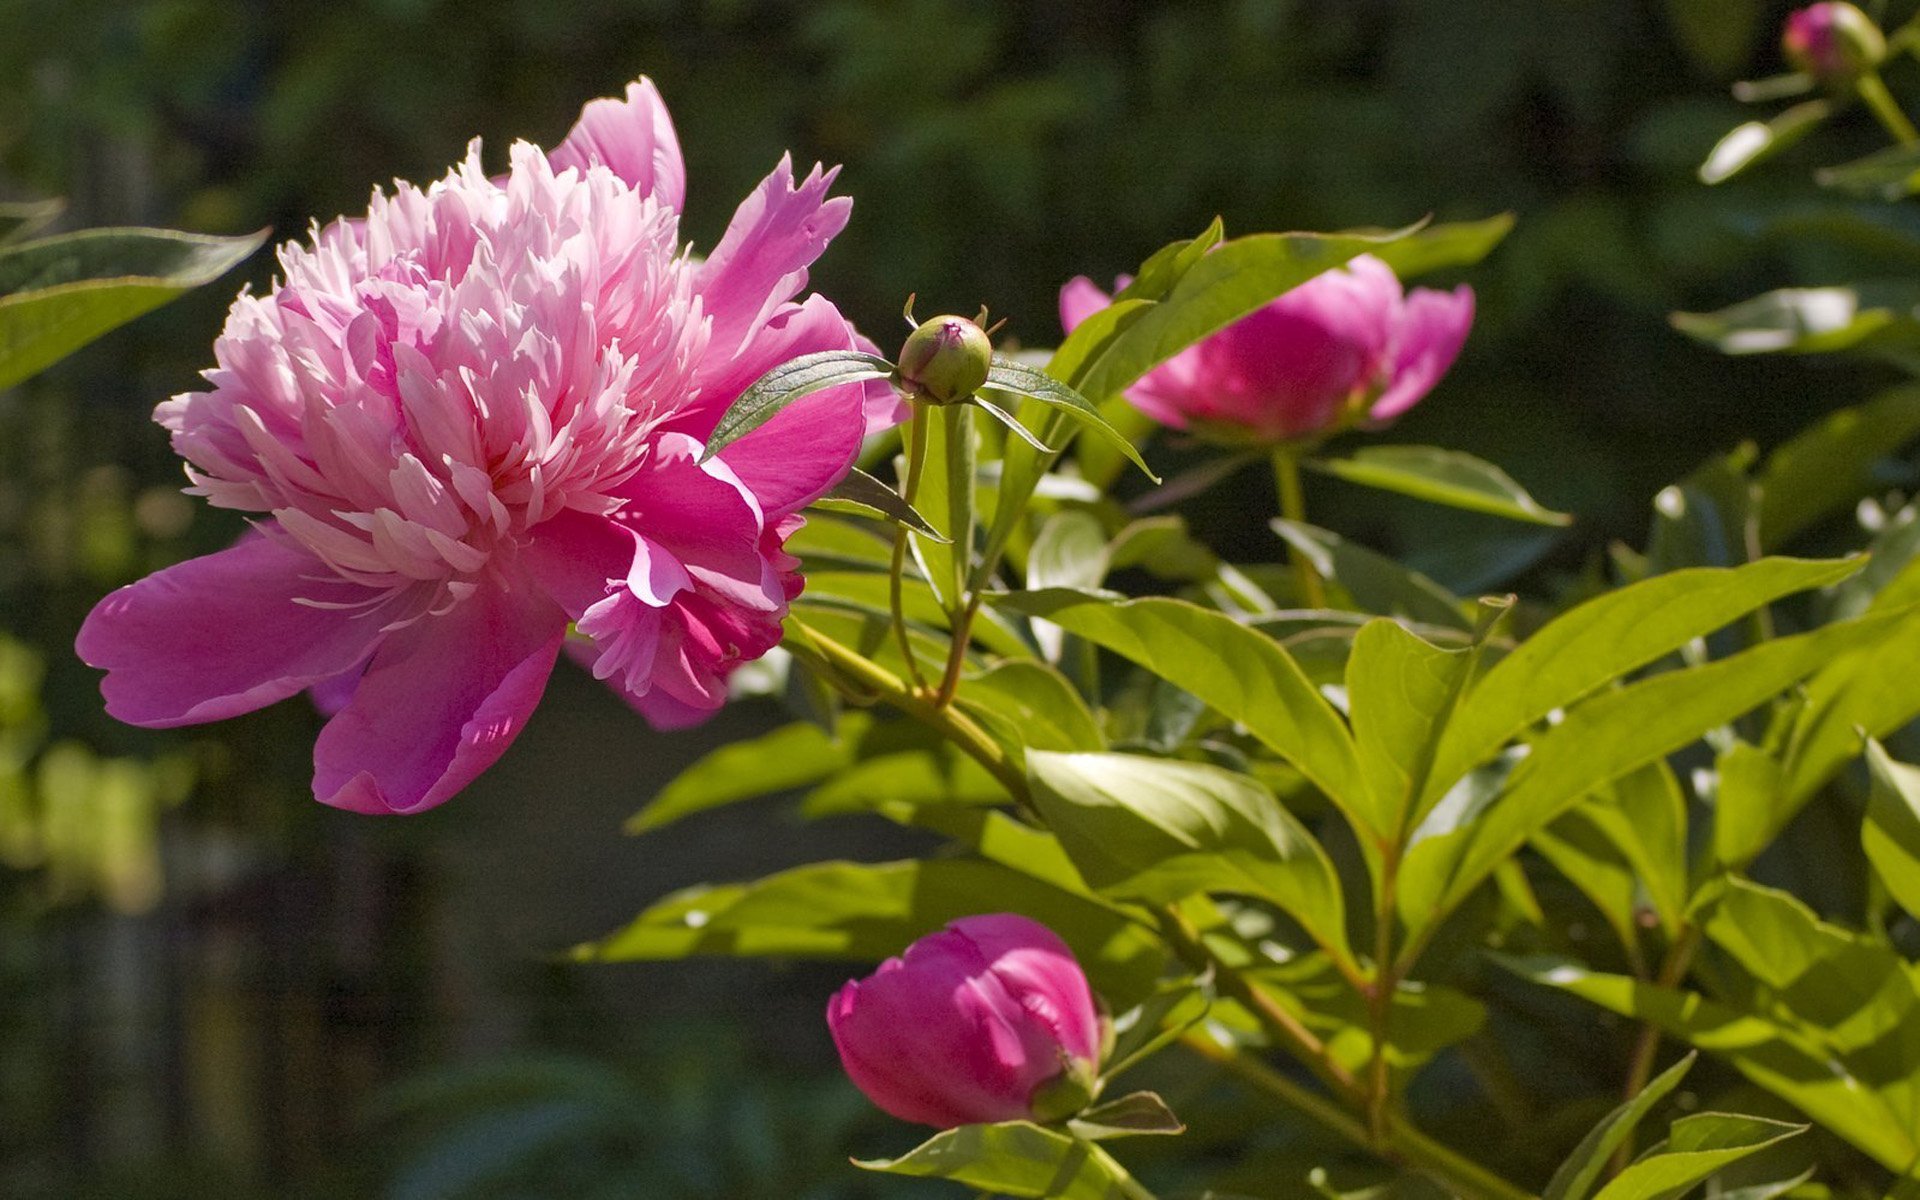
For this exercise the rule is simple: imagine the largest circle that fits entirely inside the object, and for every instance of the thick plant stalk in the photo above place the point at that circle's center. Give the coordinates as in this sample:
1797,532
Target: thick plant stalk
916,457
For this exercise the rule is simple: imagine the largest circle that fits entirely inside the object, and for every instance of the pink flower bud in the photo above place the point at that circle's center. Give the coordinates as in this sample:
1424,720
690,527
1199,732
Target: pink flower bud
989,1020
1346,347
946,359
1833,42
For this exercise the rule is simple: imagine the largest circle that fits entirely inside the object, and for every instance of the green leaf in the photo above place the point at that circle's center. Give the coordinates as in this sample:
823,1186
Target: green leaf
789,757
1890,174
1020,379
1778,1059
1443,247
825,539
1750,805
1624,841
1696,1147
1156,1023
1443,477
1576,1177
1606,638
59,293
935,775
867,911
1829,467
1891,835
1131,1115
864,493
1034,706
1756,141
1623,730
870,592
1240,672
1070,550
1016,1158
1401,691
1012,423
1877,317
1159,831
1374,582
790,381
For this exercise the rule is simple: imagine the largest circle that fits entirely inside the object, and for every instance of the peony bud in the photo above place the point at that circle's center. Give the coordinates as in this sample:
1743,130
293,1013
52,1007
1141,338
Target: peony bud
989,1020
1833,42
946,359
1347,347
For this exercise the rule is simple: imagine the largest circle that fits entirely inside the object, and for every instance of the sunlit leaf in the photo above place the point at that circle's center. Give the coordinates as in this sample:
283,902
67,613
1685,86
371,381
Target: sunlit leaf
1756,141
1891,834
790,381
59,293
1016,1158
1442,477
863,492
1580,1172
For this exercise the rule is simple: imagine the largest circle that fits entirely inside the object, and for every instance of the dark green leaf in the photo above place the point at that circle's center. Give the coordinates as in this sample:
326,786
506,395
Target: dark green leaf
1830,466
789,757
1878,318
17,220
1034,384
788,382
1890,174
1130,1116
1443,477
864,492
59,293
1374,582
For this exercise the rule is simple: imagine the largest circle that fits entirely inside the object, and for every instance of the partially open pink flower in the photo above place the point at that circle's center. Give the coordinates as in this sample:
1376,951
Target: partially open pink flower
989,1020
1832,41
1347,345
471,417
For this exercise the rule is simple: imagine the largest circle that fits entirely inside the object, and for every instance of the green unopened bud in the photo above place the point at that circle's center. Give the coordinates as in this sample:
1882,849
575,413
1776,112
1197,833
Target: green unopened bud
946,359
1833,41
1066,1094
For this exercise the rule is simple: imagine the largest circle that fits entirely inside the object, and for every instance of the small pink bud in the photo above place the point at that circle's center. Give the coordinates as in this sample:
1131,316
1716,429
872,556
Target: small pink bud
990,1019
1833,42
946,359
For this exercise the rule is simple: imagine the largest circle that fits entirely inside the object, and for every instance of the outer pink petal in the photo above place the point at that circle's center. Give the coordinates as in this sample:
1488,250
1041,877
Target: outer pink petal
1080,298
441,701
1040,971
762,261
707,517
633,138
222,635
794,459
1432,331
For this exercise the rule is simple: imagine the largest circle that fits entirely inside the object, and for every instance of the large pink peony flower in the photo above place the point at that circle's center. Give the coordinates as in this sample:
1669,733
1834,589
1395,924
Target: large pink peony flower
1347,345
472,417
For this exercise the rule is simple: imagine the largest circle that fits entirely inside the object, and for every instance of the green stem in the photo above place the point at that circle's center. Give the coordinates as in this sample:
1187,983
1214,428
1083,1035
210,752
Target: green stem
916,456
962,601
1873,90
1409,1147
1646,1047
1293,506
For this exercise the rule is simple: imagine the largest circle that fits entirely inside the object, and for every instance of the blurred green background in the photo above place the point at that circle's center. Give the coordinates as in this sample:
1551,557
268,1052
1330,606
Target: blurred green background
206,980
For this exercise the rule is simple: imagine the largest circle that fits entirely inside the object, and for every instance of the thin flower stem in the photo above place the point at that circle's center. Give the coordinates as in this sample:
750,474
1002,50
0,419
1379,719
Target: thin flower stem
916,456
1873,90
1409,1147
1293,506
962,601
1646,1047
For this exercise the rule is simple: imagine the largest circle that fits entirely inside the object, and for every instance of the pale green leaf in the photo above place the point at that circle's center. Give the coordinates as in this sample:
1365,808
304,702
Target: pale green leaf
1697,1146
1446,477
1891,834
1756,141
1242,673
1159,831
1016,1158
59,293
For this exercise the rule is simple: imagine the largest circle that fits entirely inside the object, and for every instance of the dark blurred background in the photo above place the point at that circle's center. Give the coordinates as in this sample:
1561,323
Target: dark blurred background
209,981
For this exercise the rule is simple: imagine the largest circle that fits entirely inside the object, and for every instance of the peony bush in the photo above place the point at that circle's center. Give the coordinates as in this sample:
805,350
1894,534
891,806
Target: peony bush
1222,847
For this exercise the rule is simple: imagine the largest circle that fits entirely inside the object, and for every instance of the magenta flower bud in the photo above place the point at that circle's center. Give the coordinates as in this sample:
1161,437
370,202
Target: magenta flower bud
1833,42
988,1020
946,359
1346,347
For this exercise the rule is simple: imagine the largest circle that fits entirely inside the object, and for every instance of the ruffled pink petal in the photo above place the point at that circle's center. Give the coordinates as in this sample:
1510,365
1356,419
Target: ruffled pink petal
797,457
707,517
1433,329
1080,298
442,700
226,634
634,139
761,262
